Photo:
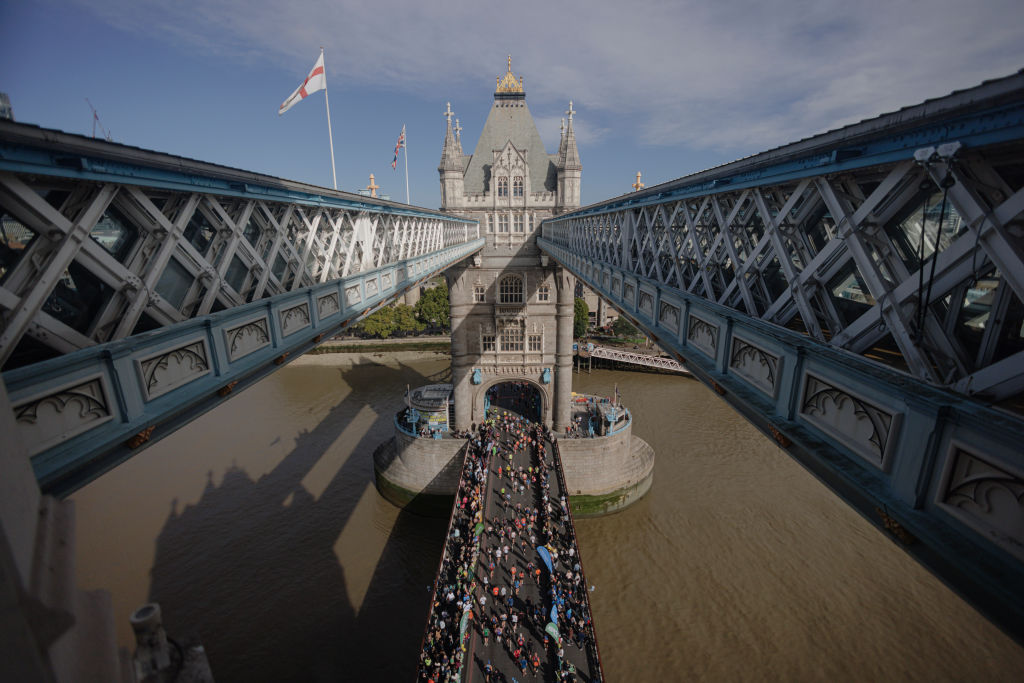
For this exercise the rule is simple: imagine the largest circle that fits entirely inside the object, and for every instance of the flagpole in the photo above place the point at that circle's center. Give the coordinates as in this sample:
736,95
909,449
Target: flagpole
406,164
330,135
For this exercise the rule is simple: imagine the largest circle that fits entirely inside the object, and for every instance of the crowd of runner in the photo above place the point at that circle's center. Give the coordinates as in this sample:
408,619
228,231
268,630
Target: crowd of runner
529,540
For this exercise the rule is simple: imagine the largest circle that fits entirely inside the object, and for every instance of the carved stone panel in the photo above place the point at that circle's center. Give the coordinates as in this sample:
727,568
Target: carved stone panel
703,335
668,316
861,426
47,419
628,293
171,369
755,365
327,305
646,303
371,287
386,281
988,497
247,337
294,319
616,286
352,295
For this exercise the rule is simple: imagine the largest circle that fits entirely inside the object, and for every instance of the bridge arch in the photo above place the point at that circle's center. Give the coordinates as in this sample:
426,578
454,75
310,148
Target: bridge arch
522,395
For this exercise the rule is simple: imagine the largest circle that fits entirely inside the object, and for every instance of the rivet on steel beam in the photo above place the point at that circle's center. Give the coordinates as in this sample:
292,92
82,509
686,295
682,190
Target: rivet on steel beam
140,438
895,528
780,437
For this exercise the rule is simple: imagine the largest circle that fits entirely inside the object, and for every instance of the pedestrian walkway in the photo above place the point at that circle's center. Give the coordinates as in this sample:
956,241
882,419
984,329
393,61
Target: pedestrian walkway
510,600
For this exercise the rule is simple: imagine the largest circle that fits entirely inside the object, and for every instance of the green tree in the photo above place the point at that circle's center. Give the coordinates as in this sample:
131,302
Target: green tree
432,308
623,328
405,319
581,318
379,324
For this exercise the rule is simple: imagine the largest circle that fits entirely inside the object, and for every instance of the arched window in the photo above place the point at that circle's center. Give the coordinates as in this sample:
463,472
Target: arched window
510,290
502,187
503,223
517,186
517,223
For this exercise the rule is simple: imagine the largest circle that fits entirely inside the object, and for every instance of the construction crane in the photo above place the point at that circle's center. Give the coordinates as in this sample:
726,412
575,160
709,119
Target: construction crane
96,123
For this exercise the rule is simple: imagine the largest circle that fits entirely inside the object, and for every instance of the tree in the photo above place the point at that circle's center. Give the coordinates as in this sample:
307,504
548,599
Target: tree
405,319
433,308
581,318
623,328
380,323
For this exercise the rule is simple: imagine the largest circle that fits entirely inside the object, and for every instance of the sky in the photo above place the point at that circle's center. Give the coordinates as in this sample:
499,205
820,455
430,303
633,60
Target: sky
665,87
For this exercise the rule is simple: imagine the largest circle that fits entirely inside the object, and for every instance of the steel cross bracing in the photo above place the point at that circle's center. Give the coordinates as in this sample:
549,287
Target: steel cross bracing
626,356
858,296
138,289
101,241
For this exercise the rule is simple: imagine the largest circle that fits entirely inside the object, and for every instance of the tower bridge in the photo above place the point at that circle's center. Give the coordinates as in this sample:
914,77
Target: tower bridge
856,295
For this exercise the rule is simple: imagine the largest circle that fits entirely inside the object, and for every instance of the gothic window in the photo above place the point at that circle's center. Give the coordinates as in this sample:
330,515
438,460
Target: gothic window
512,337
517,186
544,293
517,223
487,342
534,343
511,290
503,223
479,294
529,222
502,187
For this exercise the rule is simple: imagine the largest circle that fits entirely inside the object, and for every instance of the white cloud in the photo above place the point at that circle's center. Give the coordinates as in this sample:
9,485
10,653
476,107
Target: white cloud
730,75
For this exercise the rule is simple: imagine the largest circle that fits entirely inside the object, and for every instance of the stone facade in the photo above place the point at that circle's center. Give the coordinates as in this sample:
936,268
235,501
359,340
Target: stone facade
511,312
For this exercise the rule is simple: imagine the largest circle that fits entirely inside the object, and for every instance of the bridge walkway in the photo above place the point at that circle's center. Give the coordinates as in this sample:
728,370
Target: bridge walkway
506,620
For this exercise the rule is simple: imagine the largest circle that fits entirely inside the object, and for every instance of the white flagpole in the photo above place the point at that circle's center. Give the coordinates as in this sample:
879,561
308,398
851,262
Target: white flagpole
406,164
330,136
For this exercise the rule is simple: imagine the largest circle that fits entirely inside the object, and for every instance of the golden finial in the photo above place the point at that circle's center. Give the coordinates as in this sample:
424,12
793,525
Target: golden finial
372,187
637,185
509,83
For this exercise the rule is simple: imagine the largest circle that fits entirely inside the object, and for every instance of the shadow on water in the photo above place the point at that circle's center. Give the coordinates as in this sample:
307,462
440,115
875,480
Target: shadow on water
251,568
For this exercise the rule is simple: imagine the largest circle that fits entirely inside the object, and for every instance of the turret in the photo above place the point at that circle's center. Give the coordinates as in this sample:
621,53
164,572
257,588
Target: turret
568,167
451,164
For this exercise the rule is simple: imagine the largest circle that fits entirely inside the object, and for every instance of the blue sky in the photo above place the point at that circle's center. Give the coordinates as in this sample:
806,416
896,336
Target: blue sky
666,88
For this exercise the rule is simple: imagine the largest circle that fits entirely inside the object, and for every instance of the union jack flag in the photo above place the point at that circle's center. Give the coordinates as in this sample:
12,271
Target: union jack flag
398,145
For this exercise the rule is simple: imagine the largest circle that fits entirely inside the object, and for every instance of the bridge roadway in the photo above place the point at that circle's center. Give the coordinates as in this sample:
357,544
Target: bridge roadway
531,605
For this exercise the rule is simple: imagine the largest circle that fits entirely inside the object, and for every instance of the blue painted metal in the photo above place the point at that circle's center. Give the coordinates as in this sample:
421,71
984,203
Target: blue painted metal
477,377
124,396
903,484
985,127
545,377
21,152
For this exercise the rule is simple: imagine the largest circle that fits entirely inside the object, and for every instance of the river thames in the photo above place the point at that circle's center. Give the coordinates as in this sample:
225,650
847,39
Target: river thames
259,530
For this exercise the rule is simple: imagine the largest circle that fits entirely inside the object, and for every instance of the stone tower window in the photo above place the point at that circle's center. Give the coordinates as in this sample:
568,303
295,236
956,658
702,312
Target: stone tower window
517,186
544,293
512,337
502,187
503,223
517,223
479,294
510,290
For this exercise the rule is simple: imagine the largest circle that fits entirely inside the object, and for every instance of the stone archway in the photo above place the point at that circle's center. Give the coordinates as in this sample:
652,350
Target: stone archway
519,395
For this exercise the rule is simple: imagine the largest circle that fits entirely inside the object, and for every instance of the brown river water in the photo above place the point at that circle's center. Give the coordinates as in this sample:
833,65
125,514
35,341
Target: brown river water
258,529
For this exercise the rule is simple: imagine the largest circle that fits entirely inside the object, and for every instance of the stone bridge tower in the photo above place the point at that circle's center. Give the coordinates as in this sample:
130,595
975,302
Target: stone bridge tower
511,311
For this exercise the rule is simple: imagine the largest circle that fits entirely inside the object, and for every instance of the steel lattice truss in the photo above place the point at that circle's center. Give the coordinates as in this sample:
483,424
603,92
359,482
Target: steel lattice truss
838,256
86,261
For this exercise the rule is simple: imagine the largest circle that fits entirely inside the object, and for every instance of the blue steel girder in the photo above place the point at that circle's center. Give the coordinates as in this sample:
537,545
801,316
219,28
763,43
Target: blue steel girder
85,412
102,241
859,296
940,472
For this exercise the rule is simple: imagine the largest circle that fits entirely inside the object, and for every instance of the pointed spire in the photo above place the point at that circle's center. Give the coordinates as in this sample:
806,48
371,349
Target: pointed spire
571,161
458,137
450,154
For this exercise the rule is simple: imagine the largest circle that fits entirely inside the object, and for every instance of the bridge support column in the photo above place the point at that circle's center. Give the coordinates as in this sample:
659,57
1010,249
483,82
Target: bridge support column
562,412
462,370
